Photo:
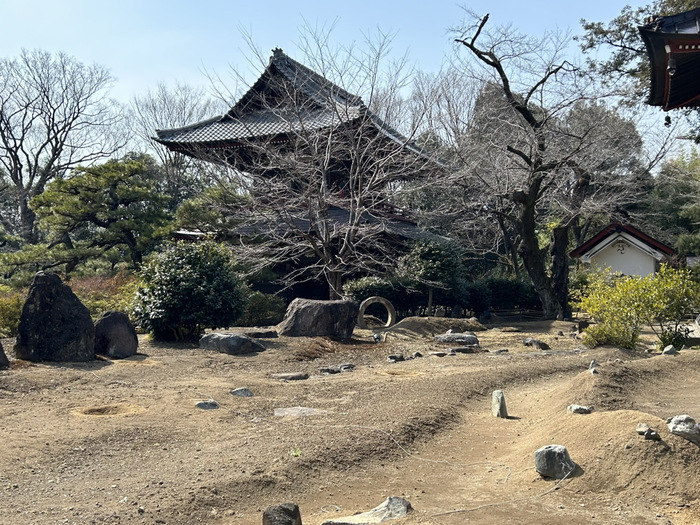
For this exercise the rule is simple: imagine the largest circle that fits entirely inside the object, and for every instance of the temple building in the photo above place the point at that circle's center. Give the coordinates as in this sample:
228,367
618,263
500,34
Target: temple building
673,47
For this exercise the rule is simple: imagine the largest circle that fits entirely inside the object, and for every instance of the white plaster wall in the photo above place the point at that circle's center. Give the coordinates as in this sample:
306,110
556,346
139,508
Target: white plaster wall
630,262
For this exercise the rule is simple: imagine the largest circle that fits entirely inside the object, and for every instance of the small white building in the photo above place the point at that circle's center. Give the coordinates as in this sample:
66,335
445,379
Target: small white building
624,250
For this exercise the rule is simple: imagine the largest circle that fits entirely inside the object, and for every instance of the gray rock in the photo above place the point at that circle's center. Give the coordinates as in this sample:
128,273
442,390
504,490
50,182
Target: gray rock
329,370
498,404
578,409
593,371
261,334
437,354
499,351
242,392
465,339
395,358
670,350
464,349
306,317
208,405
536,343
284,514
642,428
115,335
416,355
4,361
290,376
392,508
652,435
299,412
346,367
685,427
54,325
593,364
553,461
232,344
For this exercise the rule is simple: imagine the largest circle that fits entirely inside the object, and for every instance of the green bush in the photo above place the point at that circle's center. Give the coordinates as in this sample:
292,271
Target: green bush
262,310
187,287
11,304
623,305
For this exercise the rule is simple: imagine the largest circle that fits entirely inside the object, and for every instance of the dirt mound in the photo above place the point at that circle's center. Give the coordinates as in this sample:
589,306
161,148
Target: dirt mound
428,327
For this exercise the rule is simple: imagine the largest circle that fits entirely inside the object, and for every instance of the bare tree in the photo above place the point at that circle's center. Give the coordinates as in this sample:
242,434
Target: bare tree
314,165
540,153
54,115
164,107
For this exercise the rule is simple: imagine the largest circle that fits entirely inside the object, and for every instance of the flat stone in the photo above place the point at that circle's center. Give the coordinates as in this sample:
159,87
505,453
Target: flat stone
499,351
299,412
465,338
261,334
290,376
464,349
642,428
670,350
392,508
416,355
346,367
578,409
207,405
437,354
536,343
395,358
329,370
242,392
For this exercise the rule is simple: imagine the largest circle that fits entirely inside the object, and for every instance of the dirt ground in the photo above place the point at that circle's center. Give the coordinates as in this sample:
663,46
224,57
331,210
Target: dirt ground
123,442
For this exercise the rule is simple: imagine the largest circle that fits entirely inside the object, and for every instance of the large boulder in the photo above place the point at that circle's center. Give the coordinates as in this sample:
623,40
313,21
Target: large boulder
310,318
4,361
115,336
553,461
685,427
232,344
54,325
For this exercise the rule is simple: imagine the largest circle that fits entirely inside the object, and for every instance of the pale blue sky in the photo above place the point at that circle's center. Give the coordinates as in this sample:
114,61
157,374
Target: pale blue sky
145,42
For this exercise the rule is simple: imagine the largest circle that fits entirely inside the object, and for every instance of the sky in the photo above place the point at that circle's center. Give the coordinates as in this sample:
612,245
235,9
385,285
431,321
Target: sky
144,42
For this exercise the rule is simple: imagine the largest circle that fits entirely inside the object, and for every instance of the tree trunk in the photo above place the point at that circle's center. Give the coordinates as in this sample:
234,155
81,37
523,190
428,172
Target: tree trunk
429,311
532,256
27,221
335,285
560,268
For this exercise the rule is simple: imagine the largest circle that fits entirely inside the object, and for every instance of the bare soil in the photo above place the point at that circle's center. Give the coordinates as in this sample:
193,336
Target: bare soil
123,442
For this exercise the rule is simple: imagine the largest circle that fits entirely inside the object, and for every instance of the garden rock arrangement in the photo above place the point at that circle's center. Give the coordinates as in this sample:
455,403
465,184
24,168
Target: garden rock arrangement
310,318
54,325
115,335
232,344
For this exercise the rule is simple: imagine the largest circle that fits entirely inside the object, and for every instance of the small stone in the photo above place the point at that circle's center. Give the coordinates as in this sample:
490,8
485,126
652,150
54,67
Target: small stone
346,367
536,343
642,428
329,370
395,358
242,392
207,405
652,435
467,338
416,355
498,404
290,376
578,409
670,350
499,351
593,364
437,354
593,371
